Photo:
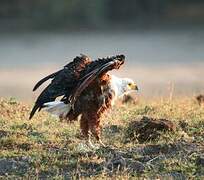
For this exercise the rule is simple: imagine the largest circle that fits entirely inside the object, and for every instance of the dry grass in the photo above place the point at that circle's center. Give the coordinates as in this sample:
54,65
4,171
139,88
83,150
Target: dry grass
44,147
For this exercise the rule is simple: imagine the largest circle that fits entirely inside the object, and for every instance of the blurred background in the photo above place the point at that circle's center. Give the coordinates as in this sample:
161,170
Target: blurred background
163,41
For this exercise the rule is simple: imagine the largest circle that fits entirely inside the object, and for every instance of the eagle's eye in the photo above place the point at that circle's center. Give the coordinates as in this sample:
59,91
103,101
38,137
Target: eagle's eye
129,84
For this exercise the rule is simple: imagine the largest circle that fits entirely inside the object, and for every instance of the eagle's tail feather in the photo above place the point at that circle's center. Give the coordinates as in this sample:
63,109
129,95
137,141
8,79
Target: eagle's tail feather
57,108
35,108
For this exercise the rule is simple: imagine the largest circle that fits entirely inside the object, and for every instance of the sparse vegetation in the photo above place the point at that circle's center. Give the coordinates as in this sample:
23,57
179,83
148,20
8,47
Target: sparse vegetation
45,147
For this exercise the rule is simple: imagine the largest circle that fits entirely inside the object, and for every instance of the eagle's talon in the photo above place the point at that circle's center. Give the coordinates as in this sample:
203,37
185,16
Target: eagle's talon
101,143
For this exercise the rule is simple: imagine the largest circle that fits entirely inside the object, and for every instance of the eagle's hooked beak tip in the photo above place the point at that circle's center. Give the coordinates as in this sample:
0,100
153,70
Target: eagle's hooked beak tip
134,87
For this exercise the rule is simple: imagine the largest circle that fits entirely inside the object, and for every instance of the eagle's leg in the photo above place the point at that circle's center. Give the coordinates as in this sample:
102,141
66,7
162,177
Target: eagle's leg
84,125
94,126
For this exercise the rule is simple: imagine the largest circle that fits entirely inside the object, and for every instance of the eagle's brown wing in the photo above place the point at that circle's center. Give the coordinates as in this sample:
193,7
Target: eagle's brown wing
99,71
51,76
73,79
63,83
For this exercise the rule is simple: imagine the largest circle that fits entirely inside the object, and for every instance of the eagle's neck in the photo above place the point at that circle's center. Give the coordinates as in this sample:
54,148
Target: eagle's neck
118,86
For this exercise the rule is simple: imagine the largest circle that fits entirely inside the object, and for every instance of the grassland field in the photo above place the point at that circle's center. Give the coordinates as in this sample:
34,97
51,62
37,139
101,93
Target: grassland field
45,148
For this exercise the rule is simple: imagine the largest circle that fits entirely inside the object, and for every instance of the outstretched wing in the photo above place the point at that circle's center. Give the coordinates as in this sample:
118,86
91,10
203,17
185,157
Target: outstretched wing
63,83
74,78
113,63
51,76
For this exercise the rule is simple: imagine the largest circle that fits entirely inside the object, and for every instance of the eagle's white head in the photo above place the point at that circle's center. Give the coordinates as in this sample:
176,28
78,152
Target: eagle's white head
122,86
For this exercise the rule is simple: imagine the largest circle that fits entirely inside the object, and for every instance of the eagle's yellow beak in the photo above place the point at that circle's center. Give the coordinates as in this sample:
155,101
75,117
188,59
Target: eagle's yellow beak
133,86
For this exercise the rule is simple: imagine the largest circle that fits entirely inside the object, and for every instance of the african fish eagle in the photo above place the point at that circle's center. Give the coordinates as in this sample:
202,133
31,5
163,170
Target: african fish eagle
86,90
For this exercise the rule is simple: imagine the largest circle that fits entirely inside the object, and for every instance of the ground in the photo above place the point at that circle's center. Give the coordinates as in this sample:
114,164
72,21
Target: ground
44,147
